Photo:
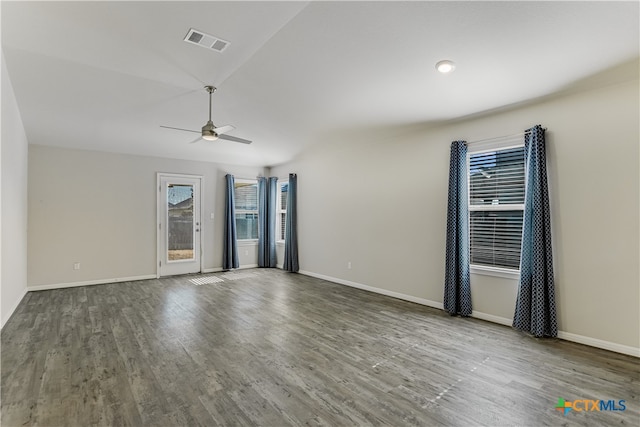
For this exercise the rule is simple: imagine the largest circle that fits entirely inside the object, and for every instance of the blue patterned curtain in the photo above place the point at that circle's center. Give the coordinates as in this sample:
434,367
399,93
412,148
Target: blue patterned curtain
536,307
457,289
267,199
291,229
230,247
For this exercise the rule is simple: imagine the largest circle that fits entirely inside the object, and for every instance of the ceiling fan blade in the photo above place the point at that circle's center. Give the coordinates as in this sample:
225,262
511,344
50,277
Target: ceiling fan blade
234,139
186,130
209,131
224,129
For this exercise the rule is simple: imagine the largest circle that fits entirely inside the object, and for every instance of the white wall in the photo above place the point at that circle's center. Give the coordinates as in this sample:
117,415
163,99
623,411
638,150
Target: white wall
378,200
99,209
13,180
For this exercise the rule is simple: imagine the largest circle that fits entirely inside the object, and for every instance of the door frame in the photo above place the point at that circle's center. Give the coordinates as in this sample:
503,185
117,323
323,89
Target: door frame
160,210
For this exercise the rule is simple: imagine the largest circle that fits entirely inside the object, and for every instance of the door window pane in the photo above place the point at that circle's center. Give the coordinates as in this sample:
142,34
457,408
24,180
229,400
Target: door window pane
180,222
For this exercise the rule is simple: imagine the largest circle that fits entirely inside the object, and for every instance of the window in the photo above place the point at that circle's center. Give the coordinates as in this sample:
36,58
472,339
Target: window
496,206
283,189
246,198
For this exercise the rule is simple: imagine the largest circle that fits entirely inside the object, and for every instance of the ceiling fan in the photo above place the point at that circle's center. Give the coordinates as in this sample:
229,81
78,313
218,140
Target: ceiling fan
209,131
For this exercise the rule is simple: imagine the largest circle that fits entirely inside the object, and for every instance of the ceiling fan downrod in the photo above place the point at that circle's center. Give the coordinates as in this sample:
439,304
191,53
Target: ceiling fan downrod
208,130
210,89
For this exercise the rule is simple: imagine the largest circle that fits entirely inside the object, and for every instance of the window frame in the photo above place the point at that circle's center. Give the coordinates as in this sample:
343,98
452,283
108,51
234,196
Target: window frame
486,147
279,211
242,242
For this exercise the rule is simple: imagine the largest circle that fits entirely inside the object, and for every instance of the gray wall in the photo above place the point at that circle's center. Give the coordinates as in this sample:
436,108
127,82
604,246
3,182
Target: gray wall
13,269
378,200
99,209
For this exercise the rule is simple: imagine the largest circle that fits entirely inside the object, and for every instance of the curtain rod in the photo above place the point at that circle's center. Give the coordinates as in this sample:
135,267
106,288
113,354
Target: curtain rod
246,179
496,138
252,179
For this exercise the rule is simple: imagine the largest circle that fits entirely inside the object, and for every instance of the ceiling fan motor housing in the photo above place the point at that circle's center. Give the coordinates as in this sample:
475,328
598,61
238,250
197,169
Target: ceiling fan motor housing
208,131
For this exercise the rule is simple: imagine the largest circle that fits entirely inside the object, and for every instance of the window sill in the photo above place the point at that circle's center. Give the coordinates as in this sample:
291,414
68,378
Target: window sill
248,242
280,243
495,271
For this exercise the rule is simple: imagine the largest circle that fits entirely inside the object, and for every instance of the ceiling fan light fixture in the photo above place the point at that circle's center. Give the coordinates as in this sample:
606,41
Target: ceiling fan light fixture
445,66
208,130
209,136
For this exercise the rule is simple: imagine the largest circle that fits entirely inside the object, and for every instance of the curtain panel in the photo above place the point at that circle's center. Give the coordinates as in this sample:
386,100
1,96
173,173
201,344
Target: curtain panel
535,305
267,200
230,246
291,229
457,288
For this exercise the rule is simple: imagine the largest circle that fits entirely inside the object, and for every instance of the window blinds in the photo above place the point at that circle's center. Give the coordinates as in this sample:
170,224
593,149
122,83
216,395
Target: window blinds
497,177
246,195
496,201
282,212
246,204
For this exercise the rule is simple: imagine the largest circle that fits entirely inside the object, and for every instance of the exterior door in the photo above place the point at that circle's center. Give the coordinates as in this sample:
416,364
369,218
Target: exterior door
179,224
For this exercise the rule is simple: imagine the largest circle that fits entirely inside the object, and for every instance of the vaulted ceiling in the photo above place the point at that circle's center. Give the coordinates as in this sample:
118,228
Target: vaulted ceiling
105,75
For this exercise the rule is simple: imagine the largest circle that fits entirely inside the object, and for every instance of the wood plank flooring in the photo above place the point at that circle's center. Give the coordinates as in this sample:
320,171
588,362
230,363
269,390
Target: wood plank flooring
265,347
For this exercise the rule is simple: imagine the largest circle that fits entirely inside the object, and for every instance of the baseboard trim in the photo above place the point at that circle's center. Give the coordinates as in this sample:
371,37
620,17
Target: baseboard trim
242,267
119,279
567,336
90,282
5,317
594,342
491,318
220,269
381,291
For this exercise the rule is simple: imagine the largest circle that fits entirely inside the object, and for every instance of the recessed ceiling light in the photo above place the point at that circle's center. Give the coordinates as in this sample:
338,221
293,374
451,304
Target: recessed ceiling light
446,66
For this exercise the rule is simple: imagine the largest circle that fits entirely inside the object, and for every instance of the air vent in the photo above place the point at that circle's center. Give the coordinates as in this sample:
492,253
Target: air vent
205,40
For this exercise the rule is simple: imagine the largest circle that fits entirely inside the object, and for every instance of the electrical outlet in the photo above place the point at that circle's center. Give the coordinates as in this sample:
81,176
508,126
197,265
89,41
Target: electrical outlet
76,266
211,215
246,252
349,265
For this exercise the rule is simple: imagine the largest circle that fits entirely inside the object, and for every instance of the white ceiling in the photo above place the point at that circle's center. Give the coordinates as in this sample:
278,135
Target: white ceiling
105,75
